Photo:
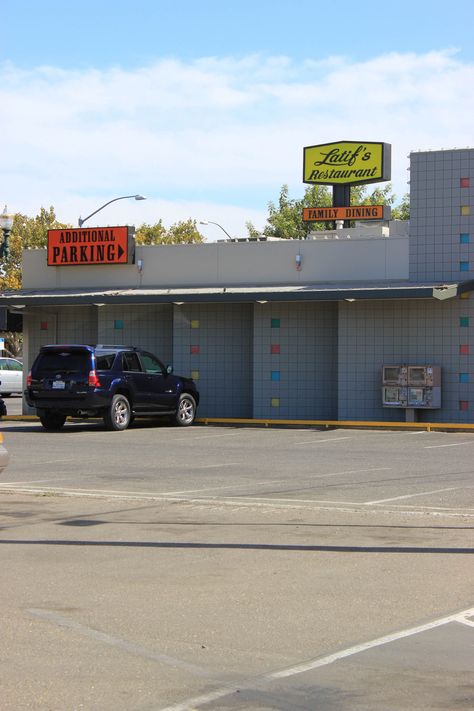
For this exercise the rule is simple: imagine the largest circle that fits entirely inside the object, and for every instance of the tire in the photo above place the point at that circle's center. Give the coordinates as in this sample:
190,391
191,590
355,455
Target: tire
186,411
52,421
119,414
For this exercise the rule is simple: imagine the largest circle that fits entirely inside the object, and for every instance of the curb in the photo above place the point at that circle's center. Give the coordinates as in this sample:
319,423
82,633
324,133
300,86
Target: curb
346,424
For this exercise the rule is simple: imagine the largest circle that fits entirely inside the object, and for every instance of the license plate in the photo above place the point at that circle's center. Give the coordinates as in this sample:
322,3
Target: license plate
58,384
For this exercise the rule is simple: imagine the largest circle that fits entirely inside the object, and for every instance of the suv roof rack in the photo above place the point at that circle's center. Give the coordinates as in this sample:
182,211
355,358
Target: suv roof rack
115,346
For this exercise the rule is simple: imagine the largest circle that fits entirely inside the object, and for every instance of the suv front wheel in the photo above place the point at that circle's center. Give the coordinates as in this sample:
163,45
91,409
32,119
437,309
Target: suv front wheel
186,411
119,414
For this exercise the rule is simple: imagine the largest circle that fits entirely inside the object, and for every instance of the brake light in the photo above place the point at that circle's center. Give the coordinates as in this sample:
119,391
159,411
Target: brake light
93,379
29,379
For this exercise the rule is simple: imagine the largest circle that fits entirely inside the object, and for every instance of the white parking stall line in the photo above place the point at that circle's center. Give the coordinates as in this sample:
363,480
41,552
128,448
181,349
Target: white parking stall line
266,482
321,441
440,446
110,640
211,436
194,703
410,496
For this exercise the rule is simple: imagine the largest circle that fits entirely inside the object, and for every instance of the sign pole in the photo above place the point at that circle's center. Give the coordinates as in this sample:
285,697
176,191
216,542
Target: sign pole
341,197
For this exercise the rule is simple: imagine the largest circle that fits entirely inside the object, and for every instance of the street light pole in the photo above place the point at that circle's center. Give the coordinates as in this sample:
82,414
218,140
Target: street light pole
124,197
208,222
6,224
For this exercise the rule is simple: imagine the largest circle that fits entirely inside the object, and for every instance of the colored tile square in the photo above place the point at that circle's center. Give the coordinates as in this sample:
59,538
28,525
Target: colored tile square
464,183
275,375
464,405
275,323
464,238
465,210
465,295
463,266
275,348
464,349
194,349
463,377
118,324
464,321
195,323
275,402
43,326
195,374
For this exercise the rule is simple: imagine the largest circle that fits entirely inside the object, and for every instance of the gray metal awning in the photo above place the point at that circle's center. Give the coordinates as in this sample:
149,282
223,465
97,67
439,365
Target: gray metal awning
235,294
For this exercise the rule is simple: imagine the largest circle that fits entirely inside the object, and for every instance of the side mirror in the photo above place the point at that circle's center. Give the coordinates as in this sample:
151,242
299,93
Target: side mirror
169,369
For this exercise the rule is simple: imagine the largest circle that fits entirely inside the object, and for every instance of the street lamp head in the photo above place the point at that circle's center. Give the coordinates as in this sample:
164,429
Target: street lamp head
210,222
6,220
122,197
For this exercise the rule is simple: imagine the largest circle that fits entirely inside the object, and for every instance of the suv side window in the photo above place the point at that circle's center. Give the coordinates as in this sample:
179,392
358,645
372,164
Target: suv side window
151,364
105,362
130,362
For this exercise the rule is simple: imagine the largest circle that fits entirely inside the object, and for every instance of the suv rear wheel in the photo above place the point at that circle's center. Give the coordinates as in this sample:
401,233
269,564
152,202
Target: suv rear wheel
52,421
119,414
186,411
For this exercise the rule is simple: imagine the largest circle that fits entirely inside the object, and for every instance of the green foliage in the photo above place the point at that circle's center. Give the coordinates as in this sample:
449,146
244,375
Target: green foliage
402,211
182,232
27,233
150,234
285,220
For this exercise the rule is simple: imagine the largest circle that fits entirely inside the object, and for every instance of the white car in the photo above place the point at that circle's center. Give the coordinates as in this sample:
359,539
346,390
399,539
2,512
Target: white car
11,376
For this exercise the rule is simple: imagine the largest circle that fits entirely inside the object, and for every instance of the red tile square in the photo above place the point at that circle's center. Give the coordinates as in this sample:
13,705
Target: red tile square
275,348
43,326
463,404
464,349
194,349
464,182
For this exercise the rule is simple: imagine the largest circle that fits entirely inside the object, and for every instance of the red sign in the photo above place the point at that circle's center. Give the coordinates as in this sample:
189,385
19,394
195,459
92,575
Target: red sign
84,246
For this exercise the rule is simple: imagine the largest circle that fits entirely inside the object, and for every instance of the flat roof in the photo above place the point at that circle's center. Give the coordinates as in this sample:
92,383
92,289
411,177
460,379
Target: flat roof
237,294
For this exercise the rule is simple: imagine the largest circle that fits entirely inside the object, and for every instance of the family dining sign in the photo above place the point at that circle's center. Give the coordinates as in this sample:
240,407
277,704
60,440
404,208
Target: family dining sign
97,245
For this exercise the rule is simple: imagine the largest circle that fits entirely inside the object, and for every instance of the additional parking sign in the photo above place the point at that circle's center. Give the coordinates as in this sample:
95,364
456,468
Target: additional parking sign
2,344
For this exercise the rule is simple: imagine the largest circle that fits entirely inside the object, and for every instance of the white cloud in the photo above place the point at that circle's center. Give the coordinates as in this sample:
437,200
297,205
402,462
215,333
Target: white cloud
204,138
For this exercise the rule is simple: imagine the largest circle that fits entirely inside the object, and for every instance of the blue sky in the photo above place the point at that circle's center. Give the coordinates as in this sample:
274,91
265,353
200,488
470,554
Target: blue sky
205,107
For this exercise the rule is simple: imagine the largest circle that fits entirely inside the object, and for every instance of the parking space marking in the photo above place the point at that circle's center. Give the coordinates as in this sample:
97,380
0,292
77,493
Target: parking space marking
410,496
454,444
194,703
257,502
321,441
135,649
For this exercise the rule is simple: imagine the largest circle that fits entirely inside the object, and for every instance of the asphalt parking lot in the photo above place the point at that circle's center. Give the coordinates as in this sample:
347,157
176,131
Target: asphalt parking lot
236,568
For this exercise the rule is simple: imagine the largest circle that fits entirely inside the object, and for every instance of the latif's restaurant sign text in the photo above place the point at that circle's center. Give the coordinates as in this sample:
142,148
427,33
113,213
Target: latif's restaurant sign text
347,162
97,245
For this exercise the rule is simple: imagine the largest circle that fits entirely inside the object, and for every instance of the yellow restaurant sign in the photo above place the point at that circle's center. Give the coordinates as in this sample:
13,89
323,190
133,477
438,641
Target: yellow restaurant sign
347,162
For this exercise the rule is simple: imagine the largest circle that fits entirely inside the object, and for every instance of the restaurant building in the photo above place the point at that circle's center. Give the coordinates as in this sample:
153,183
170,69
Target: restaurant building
369,323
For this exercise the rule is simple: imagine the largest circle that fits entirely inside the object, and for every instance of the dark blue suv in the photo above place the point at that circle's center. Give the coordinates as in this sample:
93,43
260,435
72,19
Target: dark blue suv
117,383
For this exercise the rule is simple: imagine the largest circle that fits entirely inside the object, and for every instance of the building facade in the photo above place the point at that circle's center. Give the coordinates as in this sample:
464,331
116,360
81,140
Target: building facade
290,329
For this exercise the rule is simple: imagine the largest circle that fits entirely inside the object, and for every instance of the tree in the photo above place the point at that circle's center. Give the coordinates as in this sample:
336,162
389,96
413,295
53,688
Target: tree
182,232
402,211
27,232
285,220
